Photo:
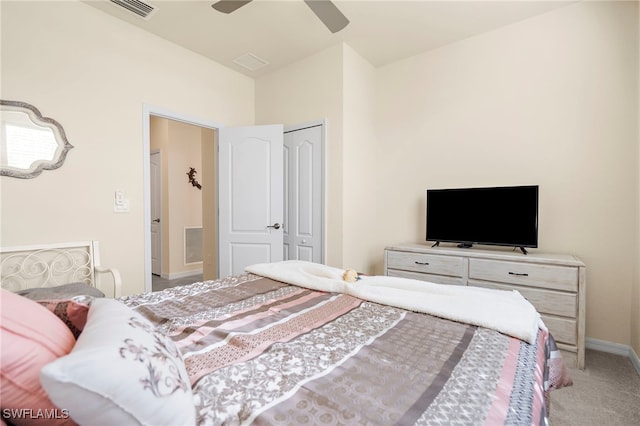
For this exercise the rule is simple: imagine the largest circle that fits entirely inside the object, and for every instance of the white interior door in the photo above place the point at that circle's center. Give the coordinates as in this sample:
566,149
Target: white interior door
156,210
250,197
303,194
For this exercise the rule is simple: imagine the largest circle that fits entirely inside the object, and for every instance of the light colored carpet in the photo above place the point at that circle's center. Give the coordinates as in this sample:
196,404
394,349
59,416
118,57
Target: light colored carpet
605,393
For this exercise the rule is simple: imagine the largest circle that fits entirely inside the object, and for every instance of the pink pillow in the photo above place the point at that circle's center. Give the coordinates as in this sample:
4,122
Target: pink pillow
31,337
73,312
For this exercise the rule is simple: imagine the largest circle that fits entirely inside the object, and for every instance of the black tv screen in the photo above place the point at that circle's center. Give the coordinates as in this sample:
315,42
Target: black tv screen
506,216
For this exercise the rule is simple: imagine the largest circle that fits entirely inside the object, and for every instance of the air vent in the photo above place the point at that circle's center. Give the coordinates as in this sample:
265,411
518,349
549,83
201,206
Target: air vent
143,10
250,61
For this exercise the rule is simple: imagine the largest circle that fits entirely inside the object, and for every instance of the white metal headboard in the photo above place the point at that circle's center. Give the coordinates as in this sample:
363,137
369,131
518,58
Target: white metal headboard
50,265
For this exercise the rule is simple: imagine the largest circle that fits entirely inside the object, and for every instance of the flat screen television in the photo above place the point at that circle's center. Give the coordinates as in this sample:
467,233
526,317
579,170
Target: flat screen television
504,216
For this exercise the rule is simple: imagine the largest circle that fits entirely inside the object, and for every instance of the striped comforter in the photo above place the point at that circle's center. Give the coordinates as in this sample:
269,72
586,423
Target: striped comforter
264,352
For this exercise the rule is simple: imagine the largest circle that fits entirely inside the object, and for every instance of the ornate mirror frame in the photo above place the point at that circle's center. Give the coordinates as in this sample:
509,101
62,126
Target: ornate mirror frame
36,122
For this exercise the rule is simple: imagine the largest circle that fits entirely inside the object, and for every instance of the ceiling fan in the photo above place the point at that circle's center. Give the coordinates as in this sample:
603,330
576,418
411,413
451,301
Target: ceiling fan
325,10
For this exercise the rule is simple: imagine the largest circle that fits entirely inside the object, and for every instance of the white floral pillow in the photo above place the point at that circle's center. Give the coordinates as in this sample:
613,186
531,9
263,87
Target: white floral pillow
121,371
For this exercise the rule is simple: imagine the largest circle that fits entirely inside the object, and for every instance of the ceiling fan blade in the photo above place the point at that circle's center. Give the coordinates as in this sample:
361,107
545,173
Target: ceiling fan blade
329,14
228,6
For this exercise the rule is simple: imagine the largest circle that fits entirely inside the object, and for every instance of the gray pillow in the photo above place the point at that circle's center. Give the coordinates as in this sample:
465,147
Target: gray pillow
65,291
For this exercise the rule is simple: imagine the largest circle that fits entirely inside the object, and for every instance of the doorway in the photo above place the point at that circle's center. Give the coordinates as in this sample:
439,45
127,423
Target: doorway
183,194
149,111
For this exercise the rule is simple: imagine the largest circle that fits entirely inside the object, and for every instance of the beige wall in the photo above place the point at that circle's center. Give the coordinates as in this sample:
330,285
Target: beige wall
545,101
93,73
359,197
311,90
209,181
184,201
550,101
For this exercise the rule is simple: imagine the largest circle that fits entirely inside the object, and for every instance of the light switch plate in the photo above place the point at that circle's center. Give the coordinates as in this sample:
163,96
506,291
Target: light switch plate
120,203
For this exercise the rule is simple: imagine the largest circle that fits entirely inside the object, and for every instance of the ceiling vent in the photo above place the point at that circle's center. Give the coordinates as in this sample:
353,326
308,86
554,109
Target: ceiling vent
143,10
250,61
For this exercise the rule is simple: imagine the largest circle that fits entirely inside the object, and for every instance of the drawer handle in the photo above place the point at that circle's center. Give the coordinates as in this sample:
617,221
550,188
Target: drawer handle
518,274
421,263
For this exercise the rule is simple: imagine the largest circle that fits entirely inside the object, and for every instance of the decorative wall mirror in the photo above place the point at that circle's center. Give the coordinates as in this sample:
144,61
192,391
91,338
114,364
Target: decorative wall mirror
30,143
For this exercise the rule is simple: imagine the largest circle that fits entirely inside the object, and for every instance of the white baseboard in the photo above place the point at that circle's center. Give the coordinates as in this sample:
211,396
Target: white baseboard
616,349
177,275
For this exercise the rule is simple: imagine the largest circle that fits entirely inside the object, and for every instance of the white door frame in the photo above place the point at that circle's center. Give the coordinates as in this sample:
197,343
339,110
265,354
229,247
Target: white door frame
147,112
323,124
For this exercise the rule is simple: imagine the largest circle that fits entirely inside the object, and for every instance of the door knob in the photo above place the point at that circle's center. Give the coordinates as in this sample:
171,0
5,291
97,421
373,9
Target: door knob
274,226
156,220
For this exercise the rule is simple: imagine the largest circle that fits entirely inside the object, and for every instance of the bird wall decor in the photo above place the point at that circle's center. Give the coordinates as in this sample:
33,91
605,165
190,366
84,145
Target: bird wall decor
192,178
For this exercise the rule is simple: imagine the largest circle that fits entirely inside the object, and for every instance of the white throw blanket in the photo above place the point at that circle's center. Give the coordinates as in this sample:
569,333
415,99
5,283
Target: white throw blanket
504,311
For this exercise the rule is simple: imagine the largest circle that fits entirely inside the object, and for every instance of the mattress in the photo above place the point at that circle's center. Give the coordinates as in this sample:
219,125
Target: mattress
261,351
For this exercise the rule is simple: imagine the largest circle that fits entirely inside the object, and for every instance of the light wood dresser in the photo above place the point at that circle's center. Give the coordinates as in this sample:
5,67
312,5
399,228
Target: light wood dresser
554,283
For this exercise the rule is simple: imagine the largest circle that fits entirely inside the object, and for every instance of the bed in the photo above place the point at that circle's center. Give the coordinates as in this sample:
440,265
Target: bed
42,266
294,343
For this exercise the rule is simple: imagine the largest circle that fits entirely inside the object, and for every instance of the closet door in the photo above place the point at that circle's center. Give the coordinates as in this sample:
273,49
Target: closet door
304,174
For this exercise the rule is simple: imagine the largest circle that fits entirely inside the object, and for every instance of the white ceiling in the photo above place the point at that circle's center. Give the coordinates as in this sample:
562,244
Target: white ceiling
285,31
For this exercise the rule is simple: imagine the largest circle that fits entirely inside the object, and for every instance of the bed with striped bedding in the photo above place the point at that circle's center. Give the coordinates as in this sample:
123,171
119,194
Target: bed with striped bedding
261,351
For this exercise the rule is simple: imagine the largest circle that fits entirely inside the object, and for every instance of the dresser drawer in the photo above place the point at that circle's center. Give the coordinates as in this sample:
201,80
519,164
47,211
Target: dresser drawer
438,279
563,330
426,263
525,274
545,301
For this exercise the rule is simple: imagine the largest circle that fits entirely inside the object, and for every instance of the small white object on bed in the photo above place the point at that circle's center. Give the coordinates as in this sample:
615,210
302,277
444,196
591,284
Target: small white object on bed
51,265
